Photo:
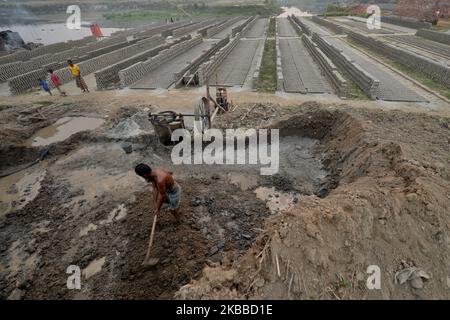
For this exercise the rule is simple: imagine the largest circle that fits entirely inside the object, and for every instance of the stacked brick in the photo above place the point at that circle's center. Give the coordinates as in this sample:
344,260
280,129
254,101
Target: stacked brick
328,67
304,27
432,69
193,66
203,31
109,75
368,83
138,70
28,80
191,28
90,55
295,25
406,22
10,70
215,30
23,55
328,24
434,36
246,25
159,29
208,68
280,77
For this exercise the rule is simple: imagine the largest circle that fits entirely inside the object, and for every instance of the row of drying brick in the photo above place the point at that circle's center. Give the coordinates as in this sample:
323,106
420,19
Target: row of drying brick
14,69
434,36
194,65
151,30
87,44
298,23
432,69
138,70
406,22
78,50
215,30
24,82
209,67
328,67
191,28
280,78
23,55
368,83
429,68
110,75
204,30
256,73
328,24
247,25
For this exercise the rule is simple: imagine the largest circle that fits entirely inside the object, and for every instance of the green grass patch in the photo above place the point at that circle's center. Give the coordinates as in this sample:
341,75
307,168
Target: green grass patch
354,92
267,81
272,27
142,15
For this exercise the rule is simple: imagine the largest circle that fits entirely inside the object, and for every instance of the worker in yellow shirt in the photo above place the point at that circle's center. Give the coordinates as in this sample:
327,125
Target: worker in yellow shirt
76,73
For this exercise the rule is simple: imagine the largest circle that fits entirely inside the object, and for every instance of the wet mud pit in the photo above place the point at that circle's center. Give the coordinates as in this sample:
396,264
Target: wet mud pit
88,208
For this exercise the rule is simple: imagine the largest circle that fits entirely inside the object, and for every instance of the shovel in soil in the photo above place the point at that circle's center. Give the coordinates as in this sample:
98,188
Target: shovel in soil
150,262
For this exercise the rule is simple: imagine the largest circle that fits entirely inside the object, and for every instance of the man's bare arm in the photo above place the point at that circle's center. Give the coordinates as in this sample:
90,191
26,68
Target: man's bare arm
155,193
161,195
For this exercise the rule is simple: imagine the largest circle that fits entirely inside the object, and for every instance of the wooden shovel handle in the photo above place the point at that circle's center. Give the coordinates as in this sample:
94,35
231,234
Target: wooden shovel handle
150,244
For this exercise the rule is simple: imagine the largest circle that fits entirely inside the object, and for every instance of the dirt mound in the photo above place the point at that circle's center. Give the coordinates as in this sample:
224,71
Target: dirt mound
390,209
253,115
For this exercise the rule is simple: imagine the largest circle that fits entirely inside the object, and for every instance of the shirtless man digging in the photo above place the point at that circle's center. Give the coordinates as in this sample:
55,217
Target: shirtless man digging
165,190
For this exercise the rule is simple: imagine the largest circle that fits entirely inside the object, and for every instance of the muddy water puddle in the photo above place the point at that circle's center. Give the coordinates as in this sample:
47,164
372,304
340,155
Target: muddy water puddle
300,173
19,189
63,129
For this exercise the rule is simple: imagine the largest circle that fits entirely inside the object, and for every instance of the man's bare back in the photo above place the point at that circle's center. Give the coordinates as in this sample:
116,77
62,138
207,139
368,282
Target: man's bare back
165,190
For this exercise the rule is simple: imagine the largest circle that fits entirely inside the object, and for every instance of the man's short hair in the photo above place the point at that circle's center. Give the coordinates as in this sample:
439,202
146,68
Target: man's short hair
142,169
69,61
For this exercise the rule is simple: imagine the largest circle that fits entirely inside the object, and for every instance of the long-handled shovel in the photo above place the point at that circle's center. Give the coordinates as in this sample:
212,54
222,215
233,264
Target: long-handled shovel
151,261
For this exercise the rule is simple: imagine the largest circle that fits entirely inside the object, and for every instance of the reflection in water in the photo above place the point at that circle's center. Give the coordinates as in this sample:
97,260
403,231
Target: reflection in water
63,129
53,32
19,189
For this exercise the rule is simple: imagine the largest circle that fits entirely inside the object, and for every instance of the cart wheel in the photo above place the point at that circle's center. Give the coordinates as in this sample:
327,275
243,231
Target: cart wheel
202,115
